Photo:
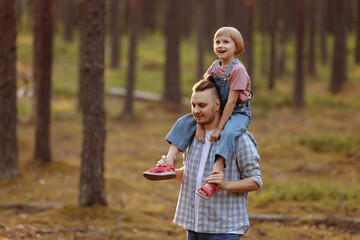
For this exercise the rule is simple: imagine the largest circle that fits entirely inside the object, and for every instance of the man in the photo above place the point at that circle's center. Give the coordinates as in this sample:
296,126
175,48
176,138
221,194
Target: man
224,216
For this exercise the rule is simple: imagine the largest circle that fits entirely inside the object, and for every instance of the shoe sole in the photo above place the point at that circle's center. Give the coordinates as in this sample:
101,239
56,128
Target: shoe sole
159,176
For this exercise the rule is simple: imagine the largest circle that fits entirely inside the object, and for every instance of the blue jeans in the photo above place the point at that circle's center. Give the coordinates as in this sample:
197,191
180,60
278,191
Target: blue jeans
212,236
182,133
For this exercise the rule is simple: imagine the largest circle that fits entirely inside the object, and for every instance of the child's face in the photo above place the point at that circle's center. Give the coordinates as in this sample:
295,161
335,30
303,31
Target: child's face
224,48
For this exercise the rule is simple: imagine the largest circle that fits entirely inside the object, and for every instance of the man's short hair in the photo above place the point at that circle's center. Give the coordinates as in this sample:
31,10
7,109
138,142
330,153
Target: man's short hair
206,83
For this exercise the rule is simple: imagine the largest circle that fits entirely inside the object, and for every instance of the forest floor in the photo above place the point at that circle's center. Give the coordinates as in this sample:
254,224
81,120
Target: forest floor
310,162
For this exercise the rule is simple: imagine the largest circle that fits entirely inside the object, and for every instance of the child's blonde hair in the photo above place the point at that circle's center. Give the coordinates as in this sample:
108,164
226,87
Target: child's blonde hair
234,34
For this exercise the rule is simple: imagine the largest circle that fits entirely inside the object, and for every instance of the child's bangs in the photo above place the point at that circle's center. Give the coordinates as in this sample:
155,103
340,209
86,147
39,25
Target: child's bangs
224,32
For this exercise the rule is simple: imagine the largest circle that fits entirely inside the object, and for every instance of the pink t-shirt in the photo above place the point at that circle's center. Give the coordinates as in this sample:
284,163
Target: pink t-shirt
238,79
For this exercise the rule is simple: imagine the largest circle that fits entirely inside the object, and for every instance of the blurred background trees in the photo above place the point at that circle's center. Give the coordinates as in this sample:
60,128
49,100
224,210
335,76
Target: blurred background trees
284,39
43,54
8,109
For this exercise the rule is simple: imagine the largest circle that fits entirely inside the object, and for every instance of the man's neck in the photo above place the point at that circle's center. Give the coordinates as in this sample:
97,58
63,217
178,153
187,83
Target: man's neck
214,123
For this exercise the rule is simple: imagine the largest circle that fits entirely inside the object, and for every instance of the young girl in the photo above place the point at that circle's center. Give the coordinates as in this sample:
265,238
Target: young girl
234,87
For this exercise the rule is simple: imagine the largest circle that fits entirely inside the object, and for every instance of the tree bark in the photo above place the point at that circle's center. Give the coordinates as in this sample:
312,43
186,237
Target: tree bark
82,26
130,82
312,28
282,25
338,76
68,20
187,18
264,29
299,74
324,31
357,49
149,15
44,14
210,26
172,92
249,7
200,36
8,110
220,14
92,182
272,59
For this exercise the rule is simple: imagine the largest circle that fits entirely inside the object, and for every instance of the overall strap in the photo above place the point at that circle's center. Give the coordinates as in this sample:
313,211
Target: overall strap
231,66
215,66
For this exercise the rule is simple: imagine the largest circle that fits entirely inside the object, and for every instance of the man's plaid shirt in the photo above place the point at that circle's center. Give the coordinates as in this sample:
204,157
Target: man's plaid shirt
225,211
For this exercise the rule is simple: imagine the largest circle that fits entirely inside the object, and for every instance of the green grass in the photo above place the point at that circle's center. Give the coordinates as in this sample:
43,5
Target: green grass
328,143
320,196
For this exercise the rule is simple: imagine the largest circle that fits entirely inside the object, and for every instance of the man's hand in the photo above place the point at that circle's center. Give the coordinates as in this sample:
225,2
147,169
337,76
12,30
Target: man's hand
240,186
200,134
215,135
217,177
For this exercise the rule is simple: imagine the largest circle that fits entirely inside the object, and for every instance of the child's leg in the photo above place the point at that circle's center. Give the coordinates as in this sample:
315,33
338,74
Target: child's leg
234,127
182,132
219,164
179,138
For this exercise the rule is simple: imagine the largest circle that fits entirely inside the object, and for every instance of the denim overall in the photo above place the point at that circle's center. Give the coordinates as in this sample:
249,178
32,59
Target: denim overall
182,133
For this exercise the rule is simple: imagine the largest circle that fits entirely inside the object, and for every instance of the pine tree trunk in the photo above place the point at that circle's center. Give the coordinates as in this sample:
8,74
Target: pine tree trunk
172,92
44,13
272,59
357,50
187,18
81,84
264,28
92,182
149,15
338,76
249,7
115,34
200,36
312,28
210,25
68,20
129,100
324,31
8,111
299,74
220,13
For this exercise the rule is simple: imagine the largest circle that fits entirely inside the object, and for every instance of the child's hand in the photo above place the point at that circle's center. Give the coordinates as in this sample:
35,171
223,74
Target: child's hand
215,135
200,134
163,161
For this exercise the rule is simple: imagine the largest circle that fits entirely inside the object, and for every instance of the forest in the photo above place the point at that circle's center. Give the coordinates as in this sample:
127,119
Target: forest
90,88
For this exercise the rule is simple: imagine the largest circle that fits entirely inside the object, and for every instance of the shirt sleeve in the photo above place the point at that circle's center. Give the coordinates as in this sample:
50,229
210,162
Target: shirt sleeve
248,158
238,78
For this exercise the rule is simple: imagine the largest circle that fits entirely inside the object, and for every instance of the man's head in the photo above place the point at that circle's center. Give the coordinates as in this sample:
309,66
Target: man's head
205,104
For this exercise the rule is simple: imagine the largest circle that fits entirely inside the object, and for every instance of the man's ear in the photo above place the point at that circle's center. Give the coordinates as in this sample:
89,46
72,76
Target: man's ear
217,104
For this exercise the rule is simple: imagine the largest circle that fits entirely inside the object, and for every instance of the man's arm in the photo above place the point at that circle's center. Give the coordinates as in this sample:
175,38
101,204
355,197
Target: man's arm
248,161
243,185
179,174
